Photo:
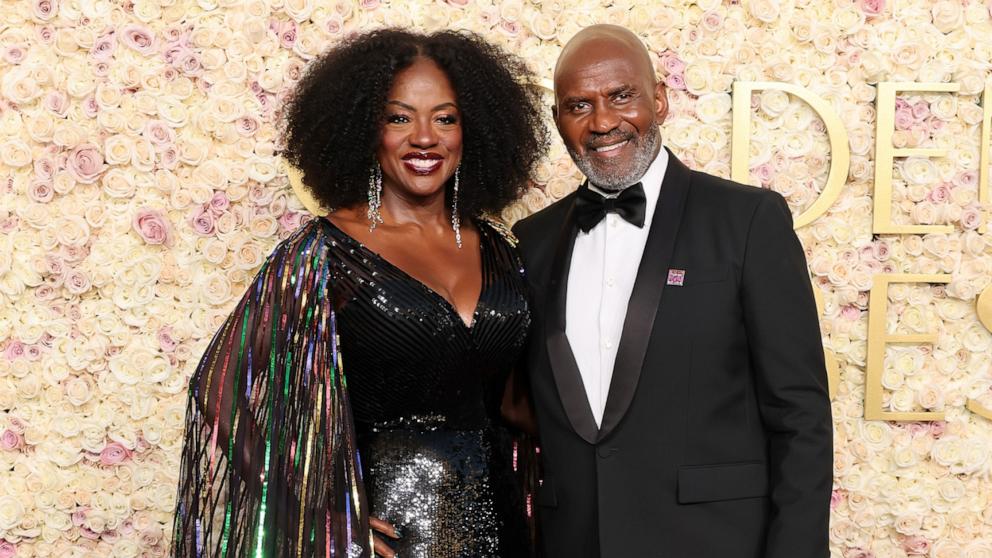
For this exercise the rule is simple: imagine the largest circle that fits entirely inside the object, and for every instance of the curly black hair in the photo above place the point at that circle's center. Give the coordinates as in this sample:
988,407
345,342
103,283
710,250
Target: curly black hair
334,116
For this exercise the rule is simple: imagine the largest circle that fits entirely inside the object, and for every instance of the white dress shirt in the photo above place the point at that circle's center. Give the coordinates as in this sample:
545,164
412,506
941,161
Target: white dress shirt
600,279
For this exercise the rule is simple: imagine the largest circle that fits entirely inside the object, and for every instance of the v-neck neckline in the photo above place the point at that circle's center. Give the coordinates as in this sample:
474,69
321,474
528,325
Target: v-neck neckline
427,288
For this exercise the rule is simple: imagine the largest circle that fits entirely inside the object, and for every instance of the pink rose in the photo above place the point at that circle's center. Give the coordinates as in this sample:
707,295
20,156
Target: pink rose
287,34
219,203
159,133
11,441
189,64
41,191
44,168
77,282
859,553
139,38
114,454
850,313
152,226
937,427
368,4
904,118
940,194
836,497
44,9
88,533
290,221
85,163
46,34
675,81
763,173
921,110
872,7
712,21
509,28
57,102
7,549
32,353
165,340
247,125
14,350
14,54
672,63
169,159
90,107
103,48
174,52
967,179
202,221
971,218
916,545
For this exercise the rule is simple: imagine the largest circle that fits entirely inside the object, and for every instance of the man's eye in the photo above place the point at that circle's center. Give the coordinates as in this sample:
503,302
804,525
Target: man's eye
579,107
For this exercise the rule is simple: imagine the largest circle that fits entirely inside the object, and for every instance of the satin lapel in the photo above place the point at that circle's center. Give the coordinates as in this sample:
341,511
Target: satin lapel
563,366
646,294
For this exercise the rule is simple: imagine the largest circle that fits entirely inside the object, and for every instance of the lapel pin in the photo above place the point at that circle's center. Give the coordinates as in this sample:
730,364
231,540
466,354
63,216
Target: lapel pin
676,277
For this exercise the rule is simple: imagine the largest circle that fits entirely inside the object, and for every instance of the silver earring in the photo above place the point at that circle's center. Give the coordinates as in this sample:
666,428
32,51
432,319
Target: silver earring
455,221
375,196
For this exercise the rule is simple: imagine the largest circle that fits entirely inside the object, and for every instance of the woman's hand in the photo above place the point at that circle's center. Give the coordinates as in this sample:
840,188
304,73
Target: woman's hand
386,528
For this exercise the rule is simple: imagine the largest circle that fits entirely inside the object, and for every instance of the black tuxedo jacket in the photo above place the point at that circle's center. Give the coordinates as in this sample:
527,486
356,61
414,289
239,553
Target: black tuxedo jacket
716,440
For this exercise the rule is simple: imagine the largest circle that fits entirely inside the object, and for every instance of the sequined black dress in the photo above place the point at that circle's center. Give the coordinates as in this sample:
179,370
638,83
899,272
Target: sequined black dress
425,393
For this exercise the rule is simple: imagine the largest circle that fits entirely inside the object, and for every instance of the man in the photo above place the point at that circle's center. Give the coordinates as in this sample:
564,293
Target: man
675,361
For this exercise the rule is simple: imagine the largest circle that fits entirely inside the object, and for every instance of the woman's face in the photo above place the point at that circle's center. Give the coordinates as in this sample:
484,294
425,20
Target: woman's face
421,133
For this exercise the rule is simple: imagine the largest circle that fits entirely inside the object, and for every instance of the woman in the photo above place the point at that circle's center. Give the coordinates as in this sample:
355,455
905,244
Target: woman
412,139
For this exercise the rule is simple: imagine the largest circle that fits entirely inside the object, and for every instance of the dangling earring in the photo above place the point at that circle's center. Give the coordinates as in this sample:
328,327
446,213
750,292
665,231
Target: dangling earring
455,221
375,196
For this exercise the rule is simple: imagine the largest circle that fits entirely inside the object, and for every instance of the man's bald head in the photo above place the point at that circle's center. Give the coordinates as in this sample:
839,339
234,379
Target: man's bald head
609,106
604,41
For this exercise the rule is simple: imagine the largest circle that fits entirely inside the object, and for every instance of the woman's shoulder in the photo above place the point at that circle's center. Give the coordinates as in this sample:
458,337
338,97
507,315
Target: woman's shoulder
309,239
502,233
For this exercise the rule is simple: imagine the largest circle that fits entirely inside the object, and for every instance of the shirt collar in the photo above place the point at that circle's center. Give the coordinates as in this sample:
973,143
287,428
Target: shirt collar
651,182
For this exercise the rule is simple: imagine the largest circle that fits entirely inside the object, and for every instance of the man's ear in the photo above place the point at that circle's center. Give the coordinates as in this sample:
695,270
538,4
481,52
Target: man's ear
661,101
554,113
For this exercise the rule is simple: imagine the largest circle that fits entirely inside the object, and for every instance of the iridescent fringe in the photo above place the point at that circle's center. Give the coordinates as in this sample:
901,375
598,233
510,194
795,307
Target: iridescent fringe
270,466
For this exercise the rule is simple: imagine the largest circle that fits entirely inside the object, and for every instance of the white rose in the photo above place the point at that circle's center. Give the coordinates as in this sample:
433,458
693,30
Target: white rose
766,11
15,153
11,512
947,15
712,107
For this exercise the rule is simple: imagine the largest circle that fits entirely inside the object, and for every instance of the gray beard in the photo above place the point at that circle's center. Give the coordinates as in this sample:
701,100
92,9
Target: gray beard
615,180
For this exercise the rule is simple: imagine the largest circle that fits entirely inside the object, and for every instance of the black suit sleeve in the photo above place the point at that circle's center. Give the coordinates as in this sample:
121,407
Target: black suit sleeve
791,382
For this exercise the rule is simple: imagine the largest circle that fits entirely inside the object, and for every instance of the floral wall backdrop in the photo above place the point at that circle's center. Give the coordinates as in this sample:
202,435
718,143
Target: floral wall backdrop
140,189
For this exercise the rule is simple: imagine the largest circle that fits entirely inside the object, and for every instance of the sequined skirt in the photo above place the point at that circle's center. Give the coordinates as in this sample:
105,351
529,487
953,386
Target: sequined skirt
444,489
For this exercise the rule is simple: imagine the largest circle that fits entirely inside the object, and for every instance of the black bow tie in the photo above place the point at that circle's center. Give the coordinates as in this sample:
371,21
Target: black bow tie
591,207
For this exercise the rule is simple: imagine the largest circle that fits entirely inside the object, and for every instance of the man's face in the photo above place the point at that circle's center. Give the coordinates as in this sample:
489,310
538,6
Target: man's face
608,112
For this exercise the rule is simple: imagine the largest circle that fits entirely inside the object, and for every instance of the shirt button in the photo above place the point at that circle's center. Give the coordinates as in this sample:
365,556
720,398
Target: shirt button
608,344
613,221
610,281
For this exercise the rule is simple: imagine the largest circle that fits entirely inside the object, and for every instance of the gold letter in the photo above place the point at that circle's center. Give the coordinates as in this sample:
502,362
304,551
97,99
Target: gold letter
879,337
740,146
984,308
885,153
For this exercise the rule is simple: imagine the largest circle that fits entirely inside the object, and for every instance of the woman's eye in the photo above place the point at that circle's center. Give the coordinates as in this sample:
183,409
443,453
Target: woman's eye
447,119
397,119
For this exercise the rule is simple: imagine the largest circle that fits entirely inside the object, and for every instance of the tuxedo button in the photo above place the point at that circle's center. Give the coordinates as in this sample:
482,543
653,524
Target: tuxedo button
605,452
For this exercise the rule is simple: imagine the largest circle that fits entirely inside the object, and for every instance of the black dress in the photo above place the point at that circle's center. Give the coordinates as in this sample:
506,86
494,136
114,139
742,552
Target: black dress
425,393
